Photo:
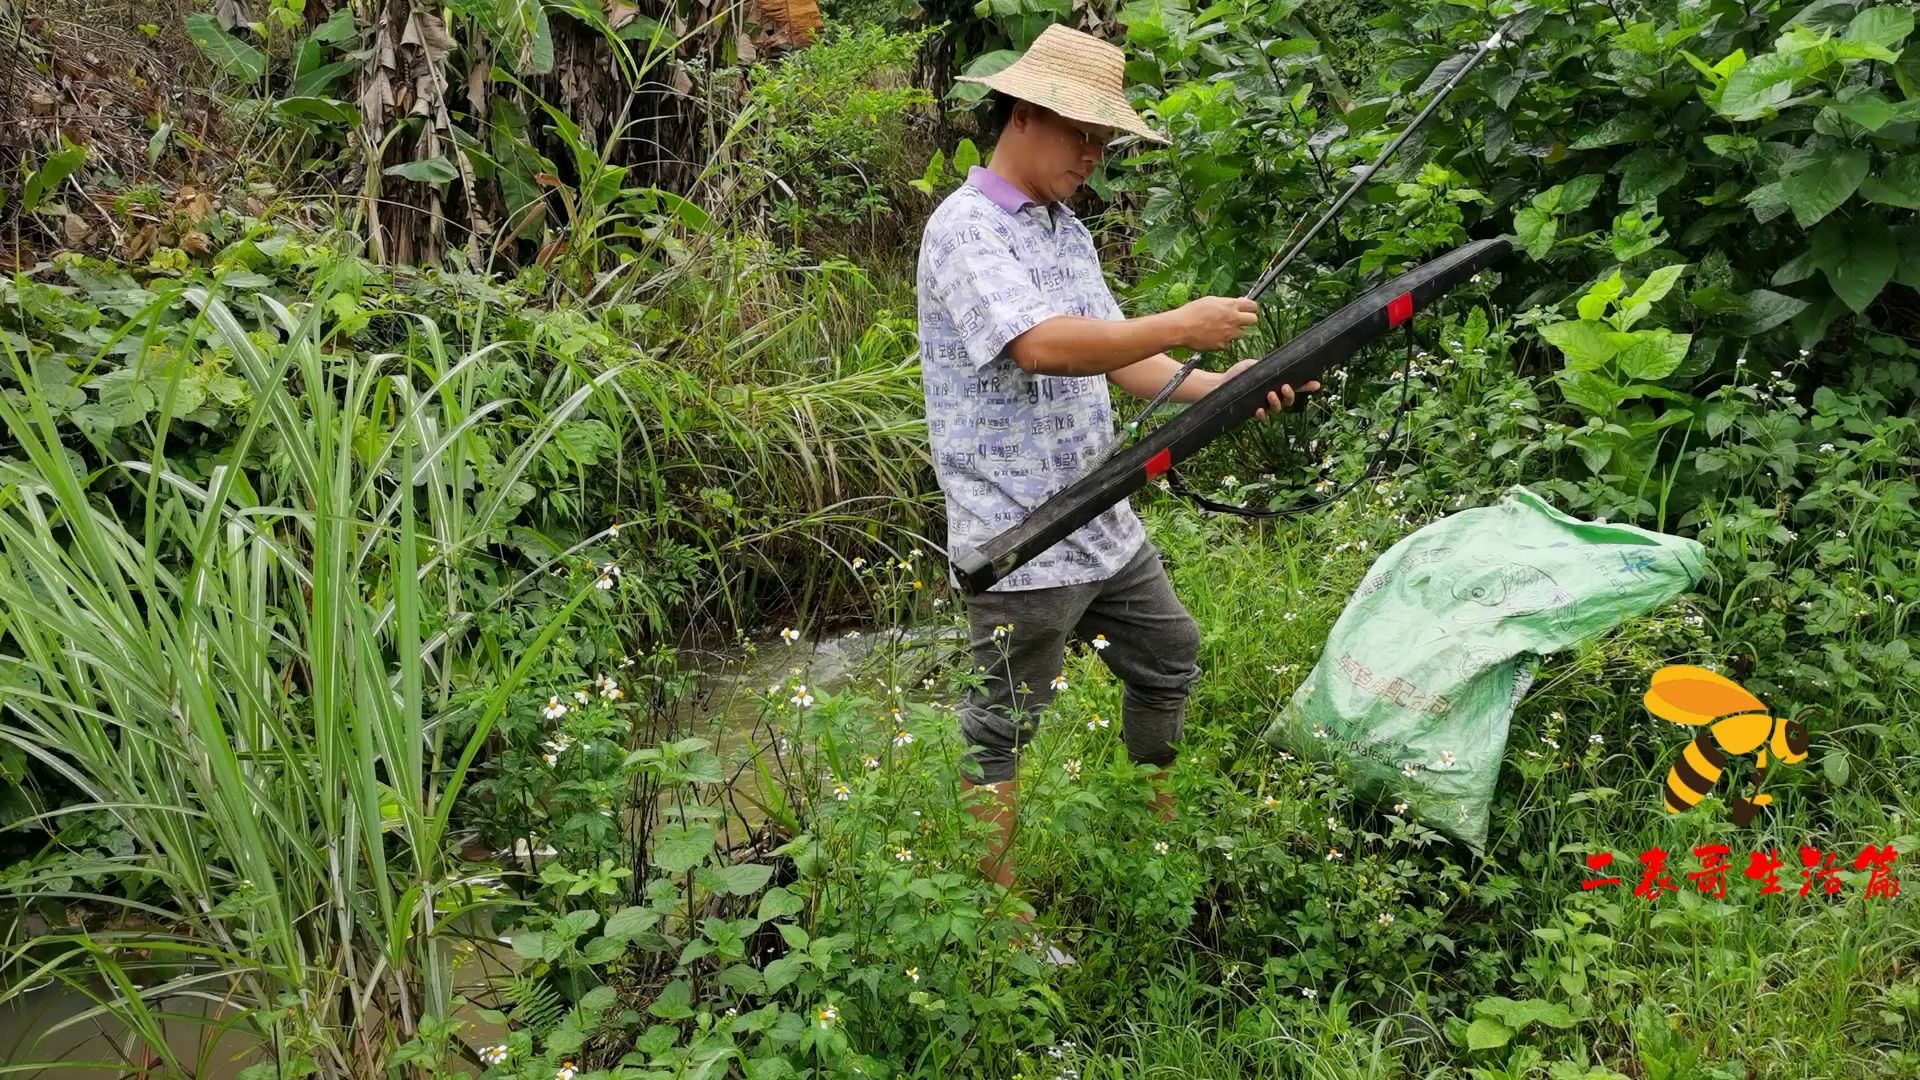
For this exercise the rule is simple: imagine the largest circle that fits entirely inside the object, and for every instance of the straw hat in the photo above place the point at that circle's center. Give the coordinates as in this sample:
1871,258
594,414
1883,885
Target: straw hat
1076,75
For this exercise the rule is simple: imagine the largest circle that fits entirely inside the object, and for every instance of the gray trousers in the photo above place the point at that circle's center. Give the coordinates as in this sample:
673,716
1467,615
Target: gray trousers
1151,646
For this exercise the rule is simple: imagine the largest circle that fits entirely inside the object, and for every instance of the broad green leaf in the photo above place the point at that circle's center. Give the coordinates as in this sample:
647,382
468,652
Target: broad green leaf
1623,128
1886,26
1659,284
1590,392
1767,309
1526,1013
1650,171
1907,270
783,971
1898,184
337,30
434,170
600,999
1862,50
602,950
675,1001
682,847
1655,355
227,52
535,945
1738,147
1579,192
985,64
744,878
318,81
1870,112
1605,291
48,177
778,903
1486,1033
1823,182
575,923
629,923
965,156
1760,84
536,54
1585,344
323,110
1858,262
1536,229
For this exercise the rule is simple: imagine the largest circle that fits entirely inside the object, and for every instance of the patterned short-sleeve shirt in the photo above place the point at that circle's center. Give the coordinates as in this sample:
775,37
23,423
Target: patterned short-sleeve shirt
994,264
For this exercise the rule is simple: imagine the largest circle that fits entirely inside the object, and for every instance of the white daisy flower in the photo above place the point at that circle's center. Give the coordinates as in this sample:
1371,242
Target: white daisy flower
1446,759
913,973
567,1071
1072,766
827,1015
555,708
1309,992
1059,682
1826,448
1096,723
1399,808
870,761
1409,770
859,563
1159,847
494,1055
1386,918
903,737
1334,855
582,697
1100,642
903,855
790,634
1000,632
841,791
801,697
1595,739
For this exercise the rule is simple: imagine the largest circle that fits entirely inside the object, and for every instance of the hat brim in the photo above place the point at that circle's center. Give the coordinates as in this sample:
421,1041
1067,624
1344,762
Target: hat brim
1073,101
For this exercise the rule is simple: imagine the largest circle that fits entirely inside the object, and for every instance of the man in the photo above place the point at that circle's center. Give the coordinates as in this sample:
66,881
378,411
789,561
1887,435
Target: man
1017,325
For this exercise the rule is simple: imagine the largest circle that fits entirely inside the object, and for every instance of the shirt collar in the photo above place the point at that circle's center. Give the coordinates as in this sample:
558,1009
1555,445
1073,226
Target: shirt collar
999,189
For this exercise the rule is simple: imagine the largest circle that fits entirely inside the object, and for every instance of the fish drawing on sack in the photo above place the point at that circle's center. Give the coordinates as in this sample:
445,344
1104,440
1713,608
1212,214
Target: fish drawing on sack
1492,591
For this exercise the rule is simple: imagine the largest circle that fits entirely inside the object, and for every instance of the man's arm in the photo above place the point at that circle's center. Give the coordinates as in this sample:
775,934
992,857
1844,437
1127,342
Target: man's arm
1074,345
1144,380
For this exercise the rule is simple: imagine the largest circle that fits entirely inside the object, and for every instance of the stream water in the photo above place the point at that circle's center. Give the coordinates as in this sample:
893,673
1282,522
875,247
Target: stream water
728,708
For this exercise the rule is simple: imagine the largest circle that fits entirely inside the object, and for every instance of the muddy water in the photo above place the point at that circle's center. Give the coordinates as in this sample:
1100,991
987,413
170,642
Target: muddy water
732,709
729,709
99,1048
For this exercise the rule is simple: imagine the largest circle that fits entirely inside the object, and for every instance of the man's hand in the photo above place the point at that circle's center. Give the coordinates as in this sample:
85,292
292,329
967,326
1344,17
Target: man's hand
1214,322
1276,399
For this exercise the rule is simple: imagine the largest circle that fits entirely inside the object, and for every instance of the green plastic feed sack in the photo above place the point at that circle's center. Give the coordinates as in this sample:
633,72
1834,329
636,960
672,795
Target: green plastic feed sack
1436,647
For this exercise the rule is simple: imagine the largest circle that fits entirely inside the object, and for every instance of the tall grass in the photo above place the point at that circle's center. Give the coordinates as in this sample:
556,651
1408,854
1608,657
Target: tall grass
244,677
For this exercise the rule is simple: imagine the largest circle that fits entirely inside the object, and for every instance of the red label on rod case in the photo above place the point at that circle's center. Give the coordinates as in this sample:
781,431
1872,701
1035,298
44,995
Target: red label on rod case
1159,463
1399,309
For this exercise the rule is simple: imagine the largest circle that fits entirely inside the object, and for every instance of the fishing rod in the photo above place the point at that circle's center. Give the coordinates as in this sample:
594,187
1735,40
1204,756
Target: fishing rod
1328,341
1274,267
